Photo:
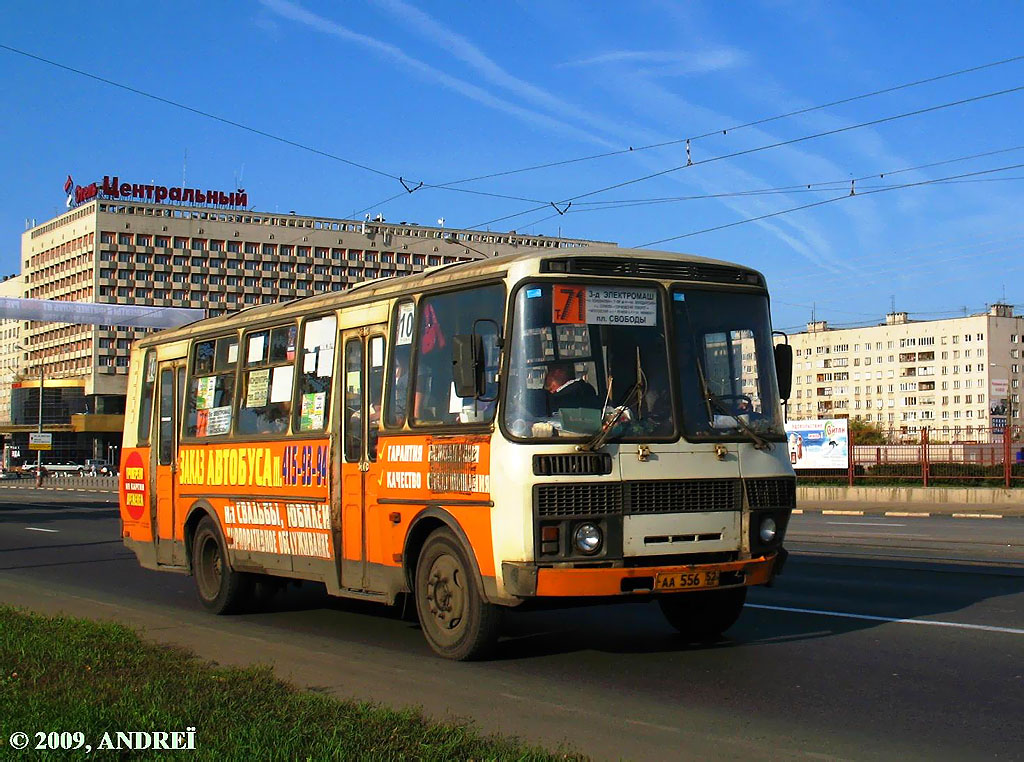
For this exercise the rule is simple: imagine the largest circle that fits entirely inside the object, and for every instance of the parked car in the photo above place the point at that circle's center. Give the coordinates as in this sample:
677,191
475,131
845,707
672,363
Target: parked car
58,467
10,474
98,467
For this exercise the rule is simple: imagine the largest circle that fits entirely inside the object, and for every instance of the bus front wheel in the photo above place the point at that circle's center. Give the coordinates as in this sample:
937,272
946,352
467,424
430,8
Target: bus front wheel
703,616
220,588
456,621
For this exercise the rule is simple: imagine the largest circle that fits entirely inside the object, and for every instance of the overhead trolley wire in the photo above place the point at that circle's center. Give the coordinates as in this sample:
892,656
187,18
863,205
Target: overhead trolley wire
797,188
758,149
723,131
827,201
199,112
257,130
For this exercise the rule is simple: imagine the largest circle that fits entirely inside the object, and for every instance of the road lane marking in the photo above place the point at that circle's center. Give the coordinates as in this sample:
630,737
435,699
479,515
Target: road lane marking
842,513
907,515
871,618
861,524
798,510
40,529
976,516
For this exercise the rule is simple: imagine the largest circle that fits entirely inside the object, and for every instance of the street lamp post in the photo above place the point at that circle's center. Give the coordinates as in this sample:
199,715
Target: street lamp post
39,428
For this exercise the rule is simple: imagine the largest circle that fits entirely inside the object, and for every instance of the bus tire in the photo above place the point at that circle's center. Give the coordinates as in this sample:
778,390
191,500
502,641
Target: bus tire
220,589
703,616
456,621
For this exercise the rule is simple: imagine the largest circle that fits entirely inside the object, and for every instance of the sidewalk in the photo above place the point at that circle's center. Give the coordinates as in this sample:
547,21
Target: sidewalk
963,502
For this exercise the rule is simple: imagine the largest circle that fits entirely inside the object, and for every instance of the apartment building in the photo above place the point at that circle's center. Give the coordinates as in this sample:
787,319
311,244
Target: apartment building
131,244
957,376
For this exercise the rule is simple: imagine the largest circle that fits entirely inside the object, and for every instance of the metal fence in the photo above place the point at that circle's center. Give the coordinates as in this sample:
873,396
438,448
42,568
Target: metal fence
991,457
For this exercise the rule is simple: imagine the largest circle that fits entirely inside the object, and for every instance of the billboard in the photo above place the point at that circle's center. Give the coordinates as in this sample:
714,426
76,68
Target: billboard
819,444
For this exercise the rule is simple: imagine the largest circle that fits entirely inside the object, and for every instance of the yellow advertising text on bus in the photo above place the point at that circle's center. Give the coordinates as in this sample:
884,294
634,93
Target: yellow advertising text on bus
549,426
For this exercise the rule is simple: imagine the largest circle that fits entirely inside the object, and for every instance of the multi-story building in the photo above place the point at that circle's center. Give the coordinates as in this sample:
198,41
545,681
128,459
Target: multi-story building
129,250
955,376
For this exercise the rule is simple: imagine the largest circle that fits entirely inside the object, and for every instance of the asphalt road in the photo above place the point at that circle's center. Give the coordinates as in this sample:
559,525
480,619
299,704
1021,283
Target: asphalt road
884,638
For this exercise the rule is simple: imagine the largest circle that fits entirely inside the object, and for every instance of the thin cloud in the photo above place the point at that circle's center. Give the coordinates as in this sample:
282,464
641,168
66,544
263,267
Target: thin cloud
666,62
469,53
298,14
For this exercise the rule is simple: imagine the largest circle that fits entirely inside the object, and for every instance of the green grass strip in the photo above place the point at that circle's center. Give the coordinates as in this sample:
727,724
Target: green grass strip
67,674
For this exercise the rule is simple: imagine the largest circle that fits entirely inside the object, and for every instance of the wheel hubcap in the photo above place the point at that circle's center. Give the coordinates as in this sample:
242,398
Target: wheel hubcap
211,568
445,593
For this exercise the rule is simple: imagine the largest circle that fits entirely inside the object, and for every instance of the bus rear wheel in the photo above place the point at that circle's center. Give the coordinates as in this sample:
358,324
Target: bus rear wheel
220,589
703,616
456,621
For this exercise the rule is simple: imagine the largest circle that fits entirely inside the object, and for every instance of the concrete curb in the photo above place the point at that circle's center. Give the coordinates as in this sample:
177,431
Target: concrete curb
948,512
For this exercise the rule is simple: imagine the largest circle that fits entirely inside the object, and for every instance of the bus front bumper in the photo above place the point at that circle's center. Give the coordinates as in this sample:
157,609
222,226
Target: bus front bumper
527,580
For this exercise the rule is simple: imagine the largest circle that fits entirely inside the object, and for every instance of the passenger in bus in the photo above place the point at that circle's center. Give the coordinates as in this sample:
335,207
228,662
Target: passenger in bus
565,390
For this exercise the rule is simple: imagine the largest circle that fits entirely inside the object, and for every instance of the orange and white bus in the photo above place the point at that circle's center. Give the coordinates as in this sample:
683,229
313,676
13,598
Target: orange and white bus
548,425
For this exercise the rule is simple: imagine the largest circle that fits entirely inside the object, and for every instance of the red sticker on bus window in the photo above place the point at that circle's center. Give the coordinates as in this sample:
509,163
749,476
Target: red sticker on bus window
569,304
133,489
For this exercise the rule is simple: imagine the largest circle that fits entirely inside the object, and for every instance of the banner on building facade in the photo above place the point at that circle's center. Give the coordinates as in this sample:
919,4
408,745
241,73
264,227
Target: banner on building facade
819,443
93,313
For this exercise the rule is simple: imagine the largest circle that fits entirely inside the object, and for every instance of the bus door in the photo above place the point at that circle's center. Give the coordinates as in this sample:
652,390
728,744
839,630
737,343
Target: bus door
170,393
361,541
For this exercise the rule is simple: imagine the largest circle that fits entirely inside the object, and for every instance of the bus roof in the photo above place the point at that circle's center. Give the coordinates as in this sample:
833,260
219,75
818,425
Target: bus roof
439,275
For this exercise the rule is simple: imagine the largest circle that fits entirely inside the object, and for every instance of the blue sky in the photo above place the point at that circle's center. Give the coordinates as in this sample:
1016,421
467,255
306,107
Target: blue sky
444,91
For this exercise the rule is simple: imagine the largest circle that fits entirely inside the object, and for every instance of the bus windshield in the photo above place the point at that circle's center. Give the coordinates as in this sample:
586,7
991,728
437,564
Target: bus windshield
589,361
726,365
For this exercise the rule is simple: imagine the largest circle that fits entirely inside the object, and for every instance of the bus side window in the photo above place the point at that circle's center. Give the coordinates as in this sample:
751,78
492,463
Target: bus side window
268,378
442,317
397,401
146,402
211,387
353,400
316,369
375,384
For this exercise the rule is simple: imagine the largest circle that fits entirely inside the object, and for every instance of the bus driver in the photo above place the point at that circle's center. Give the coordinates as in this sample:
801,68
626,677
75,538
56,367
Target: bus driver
565,390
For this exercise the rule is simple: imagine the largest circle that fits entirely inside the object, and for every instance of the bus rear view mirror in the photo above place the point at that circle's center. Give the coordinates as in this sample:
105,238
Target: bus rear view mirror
468,365
784,369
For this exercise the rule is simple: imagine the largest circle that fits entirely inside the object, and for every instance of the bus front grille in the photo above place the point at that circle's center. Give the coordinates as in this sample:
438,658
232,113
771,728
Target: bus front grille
639,497
599,499
778,492
570,464
684,496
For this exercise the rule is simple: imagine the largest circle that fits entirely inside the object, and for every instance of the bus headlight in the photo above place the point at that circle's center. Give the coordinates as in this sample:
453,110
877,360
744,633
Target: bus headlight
588,538
767,531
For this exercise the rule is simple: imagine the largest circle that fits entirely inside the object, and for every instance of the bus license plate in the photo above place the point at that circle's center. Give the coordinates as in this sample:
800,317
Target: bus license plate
686,581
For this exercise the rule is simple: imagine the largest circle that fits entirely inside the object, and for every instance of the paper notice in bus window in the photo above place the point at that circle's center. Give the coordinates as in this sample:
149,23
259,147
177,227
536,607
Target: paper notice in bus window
206,388
218,421
232,353
259,384
377,352
311,415
309,362
569,304
454,401
621,306
316,334
256,344
281,386
325,366
573,341
406,323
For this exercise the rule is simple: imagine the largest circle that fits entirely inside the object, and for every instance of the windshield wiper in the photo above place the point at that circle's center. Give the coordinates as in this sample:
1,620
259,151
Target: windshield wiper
601,437
713,401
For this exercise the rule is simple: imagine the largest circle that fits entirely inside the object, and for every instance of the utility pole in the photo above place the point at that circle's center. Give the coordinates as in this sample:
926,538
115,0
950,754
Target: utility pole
39,453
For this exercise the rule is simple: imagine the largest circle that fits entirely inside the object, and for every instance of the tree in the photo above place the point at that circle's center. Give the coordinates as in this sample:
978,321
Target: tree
867,433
